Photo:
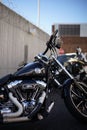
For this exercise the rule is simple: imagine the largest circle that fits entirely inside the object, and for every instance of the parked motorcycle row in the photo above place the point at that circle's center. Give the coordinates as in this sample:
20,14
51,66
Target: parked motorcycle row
24,95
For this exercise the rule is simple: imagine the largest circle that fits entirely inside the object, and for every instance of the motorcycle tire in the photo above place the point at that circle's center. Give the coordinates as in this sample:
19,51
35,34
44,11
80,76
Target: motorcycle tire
76,102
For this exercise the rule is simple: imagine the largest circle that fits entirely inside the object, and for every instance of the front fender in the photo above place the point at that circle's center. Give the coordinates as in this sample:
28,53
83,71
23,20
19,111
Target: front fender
66,85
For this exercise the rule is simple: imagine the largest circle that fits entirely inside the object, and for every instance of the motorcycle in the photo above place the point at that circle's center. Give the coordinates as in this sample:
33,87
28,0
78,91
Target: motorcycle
78,68
24,95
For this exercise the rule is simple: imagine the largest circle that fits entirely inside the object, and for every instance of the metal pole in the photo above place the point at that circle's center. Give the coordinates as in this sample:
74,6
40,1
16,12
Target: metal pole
38,17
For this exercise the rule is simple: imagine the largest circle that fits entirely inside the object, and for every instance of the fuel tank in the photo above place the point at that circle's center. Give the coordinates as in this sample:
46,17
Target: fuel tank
31,70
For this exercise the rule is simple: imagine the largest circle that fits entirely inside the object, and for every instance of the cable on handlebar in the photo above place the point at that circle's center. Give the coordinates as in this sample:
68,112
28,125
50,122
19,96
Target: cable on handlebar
50,43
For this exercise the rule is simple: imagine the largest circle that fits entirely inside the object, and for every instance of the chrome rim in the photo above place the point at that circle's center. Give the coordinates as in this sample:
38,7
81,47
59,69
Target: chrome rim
79,99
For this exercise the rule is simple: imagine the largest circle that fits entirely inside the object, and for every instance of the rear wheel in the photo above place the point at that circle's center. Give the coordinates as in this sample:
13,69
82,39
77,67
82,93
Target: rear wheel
76,102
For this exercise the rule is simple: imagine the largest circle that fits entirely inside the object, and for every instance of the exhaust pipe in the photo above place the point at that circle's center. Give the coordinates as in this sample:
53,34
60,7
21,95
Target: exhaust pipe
18,119
18,105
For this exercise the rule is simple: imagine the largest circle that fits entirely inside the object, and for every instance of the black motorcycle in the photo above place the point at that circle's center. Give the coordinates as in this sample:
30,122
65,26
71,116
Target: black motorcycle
78,68
24,95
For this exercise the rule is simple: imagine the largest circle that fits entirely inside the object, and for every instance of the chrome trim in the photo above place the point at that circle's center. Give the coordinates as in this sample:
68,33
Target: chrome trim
19,106
12,84
42,84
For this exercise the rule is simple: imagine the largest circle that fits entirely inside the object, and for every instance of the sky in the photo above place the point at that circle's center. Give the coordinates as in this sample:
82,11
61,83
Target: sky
51,11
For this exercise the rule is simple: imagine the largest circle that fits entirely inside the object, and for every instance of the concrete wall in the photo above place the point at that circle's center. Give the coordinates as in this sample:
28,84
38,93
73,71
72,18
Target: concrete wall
19,40
83,30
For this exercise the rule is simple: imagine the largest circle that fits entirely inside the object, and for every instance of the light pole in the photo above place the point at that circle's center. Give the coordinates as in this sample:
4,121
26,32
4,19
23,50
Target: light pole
38,15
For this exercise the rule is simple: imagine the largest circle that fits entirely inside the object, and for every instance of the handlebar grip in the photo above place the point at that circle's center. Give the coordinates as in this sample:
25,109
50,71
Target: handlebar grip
49,42
54,34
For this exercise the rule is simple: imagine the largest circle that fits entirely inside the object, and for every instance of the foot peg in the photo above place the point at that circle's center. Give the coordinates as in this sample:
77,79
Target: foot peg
45,113
50,107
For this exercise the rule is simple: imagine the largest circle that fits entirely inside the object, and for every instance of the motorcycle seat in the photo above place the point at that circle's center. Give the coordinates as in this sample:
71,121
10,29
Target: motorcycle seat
5,79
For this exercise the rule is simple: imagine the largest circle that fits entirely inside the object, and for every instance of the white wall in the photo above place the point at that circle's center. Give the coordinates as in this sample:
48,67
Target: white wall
15,33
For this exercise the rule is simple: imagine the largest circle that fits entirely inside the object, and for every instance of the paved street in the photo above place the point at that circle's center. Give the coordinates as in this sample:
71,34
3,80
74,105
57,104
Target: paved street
59,119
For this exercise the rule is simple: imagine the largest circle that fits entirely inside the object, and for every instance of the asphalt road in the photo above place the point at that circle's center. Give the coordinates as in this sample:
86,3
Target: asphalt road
59,119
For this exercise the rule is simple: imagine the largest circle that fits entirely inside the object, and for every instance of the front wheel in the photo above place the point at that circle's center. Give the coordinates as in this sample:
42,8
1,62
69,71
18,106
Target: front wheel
76,101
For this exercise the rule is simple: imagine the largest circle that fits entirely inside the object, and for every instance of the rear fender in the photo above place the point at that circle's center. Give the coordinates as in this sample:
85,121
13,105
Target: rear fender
66,85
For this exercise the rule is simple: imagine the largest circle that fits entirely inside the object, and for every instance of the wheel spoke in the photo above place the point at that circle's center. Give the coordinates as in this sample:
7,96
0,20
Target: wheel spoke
81,107
79,104
76,94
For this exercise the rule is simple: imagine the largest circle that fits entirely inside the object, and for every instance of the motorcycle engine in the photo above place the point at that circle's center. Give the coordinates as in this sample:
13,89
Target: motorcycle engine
28,106
31,92
27,92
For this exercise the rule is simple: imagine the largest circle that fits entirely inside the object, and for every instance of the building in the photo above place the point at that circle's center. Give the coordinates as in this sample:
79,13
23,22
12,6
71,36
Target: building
20,40
73,35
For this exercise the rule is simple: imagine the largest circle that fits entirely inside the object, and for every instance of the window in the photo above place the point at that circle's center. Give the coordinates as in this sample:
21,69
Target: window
69,30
